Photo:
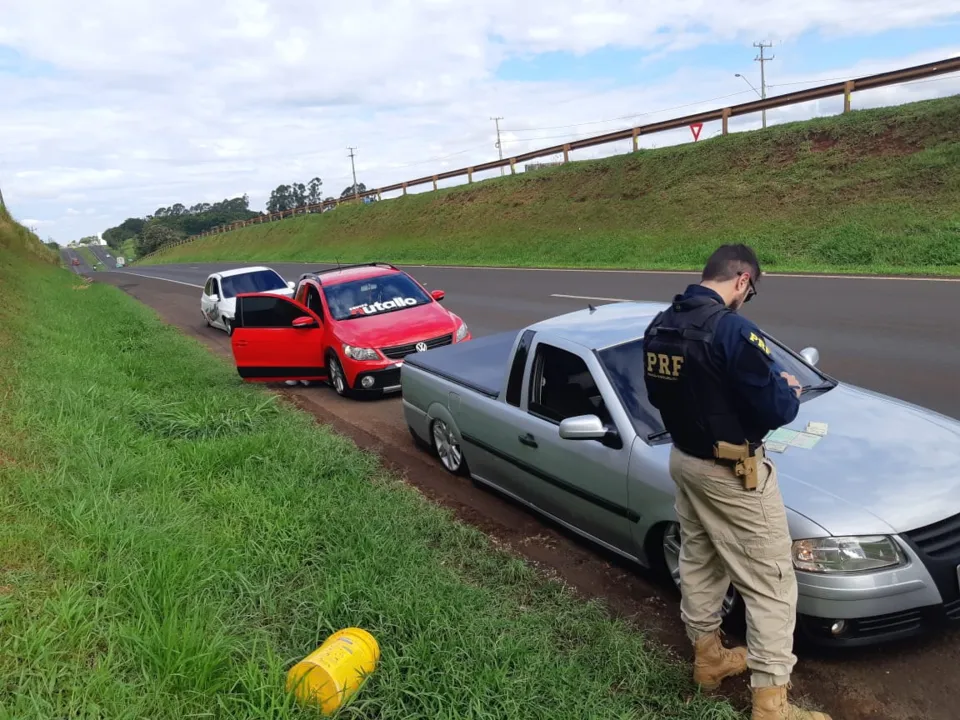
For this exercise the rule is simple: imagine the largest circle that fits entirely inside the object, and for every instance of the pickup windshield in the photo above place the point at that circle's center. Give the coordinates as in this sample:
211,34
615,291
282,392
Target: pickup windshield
624,366
253,282
374,296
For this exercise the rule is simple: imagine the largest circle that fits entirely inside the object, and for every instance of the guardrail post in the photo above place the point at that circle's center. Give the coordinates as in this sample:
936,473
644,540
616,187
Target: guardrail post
726,120
470,175
404,188
847,90
378,195
566,153
513,166
434,183
636,139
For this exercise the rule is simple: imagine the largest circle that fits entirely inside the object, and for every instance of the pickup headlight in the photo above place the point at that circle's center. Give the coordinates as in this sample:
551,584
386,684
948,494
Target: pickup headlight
846,554
355,353
461,332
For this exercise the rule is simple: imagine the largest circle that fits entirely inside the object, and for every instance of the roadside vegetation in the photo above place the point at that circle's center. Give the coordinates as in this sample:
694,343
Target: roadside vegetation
875,191
172,541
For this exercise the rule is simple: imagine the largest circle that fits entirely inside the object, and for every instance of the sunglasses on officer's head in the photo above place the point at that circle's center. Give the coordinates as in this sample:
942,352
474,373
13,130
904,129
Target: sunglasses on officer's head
752,291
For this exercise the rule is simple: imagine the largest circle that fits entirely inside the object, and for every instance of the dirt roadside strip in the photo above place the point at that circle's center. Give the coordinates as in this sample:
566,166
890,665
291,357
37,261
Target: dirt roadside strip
907,681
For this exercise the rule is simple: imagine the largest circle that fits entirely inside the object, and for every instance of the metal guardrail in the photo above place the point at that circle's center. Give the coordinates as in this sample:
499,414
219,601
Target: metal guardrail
845,88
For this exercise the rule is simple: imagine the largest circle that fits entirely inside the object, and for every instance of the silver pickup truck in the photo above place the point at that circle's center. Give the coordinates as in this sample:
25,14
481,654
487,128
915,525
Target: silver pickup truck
556,416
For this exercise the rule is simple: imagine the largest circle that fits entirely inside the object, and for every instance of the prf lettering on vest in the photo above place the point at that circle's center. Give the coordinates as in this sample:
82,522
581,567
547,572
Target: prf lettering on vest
663,365
759,342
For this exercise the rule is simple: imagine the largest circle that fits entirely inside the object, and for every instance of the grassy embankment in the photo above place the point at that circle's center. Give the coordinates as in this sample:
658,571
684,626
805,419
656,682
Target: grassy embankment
874,191
172,540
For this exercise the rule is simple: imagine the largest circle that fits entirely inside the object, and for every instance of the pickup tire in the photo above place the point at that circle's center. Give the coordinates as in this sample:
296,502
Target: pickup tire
446,447
663,549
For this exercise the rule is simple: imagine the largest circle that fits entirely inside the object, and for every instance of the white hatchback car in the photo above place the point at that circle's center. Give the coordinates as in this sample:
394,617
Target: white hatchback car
219,299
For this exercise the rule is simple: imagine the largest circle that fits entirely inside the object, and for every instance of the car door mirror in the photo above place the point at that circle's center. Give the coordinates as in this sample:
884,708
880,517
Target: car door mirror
304,321
214,298
291,284
811,355
438,295
583,427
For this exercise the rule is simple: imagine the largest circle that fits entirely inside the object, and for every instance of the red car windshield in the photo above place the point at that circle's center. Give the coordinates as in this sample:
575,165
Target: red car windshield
374,296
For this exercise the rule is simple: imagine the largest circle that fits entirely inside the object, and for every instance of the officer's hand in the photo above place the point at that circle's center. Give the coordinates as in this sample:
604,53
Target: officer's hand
792,382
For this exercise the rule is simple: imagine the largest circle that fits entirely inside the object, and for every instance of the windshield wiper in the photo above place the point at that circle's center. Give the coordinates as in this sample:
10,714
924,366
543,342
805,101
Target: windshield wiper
825,385
658,435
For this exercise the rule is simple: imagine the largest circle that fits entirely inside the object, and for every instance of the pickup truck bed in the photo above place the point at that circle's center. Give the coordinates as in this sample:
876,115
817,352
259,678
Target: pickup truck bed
479,364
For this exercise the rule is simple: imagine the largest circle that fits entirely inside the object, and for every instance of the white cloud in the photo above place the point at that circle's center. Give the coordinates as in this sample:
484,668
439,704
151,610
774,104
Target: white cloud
148,104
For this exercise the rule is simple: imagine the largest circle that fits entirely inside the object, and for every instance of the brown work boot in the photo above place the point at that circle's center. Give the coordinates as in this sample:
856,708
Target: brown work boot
713,662
770,703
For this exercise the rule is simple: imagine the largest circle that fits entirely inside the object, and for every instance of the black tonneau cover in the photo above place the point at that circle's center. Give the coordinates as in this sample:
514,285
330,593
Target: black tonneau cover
479,364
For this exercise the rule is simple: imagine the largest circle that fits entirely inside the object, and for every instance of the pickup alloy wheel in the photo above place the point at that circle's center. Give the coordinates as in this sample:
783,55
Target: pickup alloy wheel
447,447
671,557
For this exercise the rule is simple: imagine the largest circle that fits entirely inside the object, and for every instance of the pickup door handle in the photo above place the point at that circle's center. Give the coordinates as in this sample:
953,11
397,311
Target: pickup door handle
527,439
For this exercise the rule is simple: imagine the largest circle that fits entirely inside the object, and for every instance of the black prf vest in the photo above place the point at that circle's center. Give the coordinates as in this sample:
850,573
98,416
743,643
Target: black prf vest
684,381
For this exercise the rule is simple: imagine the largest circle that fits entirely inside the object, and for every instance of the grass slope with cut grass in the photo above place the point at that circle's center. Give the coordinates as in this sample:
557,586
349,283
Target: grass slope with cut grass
875,191
172,541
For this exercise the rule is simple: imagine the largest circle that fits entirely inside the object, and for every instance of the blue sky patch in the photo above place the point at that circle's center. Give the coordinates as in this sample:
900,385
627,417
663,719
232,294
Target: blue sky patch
13,62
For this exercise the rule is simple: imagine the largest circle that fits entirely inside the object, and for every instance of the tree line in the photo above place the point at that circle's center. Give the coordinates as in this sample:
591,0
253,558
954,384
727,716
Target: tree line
168,224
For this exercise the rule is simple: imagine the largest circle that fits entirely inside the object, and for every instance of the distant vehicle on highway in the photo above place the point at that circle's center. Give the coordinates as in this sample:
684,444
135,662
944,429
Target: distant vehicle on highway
219,297
120,261
557,417
351,326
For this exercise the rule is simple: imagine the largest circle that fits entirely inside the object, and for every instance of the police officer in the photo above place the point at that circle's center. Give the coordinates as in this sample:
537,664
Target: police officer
711,375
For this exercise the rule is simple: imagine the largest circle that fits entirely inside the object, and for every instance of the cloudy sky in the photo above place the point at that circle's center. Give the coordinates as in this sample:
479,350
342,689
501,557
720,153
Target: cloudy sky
113,108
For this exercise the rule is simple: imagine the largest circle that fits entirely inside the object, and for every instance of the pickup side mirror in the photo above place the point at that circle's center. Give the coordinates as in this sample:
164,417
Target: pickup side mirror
583,427
438,295
811,355
304,321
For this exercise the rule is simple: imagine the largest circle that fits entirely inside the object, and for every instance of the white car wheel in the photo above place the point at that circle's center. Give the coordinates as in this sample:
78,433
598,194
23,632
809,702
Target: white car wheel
228,326
671,558
447,448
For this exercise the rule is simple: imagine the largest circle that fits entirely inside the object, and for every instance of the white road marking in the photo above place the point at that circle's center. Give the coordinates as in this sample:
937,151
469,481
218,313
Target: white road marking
808,276
154,277
590,297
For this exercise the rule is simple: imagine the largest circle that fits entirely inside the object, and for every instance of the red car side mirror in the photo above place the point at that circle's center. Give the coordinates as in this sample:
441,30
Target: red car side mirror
438,295
304,321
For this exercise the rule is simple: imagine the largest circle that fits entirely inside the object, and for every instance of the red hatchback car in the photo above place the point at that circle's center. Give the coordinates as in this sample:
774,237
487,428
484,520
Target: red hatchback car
351,326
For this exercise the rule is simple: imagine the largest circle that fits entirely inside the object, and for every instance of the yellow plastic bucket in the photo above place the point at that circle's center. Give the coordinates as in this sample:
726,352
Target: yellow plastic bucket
331,674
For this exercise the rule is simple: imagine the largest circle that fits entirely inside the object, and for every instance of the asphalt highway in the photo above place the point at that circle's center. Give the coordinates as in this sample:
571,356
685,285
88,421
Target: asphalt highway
894,336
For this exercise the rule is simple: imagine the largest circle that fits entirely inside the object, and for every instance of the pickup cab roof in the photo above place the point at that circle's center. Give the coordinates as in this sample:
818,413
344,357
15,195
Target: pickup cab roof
601,327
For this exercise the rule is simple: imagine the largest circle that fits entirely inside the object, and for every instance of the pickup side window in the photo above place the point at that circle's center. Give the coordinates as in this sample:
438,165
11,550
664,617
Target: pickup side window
562,387
515,381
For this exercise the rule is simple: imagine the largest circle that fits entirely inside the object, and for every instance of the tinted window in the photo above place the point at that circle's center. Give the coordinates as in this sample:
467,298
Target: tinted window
313,301
268,312
374,296
562,387
624,366
252,282
515,381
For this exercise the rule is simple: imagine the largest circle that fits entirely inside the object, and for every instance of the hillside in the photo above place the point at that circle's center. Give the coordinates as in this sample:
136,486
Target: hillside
871,191
17,243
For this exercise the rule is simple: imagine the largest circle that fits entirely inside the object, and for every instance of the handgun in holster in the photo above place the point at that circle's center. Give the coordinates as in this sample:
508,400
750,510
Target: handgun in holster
747,462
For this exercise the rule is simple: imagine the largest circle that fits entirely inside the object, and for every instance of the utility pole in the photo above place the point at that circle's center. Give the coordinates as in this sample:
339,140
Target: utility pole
354,167
499,147
763,76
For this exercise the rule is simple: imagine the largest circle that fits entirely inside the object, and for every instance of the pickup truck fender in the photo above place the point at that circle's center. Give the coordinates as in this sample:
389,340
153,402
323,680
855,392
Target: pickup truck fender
422,421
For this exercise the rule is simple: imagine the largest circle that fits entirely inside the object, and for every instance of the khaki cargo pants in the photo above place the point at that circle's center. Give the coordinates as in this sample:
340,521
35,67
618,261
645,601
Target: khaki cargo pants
730,534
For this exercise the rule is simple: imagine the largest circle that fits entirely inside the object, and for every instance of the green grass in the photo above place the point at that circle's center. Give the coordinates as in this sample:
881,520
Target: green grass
875,191
172,541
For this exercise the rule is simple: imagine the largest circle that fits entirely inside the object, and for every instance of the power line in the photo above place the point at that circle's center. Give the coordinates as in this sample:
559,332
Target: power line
763,76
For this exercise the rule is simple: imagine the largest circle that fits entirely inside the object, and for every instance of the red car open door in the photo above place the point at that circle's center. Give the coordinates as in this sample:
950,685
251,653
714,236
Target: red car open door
276,338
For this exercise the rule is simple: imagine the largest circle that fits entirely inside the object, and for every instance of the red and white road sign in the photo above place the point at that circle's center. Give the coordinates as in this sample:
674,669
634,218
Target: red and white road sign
695,129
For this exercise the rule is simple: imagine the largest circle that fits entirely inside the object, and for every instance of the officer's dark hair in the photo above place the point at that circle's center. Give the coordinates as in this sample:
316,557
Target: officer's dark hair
728,261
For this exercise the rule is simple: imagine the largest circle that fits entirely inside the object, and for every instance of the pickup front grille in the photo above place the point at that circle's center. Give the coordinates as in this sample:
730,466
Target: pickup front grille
940,541
398,352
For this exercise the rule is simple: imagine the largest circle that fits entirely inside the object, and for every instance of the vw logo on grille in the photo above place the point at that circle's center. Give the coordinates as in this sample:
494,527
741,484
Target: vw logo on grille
421,347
